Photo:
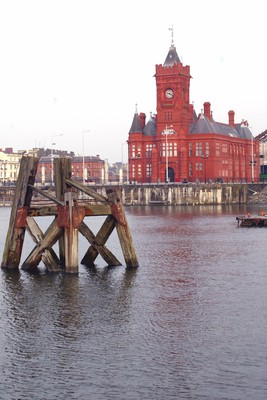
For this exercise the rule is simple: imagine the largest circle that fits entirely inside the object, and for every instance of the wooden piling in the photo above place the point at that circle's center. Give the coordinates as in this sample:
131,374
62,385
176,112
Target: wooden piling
70,217
62,171
17,223
68,221
122,227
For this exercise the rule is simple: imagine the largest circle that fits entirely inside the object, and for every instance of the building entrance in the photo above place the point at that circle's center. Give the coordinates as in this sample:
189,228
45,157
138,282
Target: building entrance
170,174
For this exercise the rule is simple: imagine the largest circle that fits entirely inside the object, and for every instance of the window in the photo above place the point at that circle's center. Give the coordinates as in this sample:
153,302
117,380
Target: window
171,149
224,148
190,149
217,149
190,169
207,149
168,116
148,150
139,170
148,170
133,151
133,171
199,149
175,149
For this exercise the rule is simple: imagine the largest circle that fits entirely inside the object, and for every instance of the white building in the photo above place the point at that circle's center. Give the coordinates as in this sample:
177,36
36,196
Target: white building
9,167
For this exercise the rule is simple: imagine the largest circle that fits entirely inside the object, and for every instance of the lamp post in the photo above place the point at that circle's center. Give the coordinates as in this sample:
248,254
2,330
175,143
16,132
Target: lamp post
52,163
84,132
122,174
252,158
167,131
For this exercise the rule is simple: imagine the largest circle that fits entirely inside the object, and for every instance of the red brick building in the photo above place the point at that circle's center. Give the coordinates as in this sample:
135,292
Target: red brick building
177,145
89,168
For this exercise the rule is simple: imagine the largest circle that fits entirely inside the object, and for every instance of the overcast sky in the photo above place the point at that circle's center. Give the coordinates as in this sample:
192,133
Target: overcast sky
69,66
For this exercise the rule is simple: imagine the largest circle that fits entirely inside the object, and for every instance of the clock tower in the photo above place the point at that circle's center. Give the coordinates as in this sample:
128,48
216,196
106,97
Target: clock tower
174,116
173,83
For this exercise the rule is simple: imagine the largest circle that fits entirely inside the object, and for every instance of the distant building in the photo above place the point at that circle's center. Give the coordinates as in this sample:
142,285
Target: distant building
262,138
94,169
91,169
87,169
177,145
9,166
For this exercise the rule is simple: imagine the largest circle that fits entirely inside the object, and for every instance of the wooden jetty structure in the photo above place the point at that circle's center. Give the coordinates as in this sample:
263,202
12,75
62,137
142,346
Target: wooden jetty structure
255,221
69,212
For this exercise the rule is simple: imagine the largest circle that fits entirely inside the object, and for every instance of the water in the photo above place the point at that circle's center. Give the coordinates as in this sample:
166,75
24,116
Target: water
190,323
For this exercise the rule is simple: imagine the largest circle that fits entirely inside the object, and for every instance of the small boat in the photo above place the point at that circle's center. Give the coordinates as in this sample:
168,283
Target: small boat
252,220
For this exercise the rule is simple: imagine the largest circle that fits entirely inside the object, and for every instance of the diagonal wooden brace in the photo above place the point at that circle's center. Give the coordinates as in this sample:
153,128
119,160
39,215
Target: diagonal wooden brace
49,257
98,243
51,236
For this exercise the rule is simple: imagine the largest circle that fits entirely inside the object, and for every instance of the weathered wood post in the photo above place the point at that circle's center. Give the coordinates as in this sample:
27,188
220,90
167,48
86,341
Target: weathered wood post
122,227
17,223
70,216
62,171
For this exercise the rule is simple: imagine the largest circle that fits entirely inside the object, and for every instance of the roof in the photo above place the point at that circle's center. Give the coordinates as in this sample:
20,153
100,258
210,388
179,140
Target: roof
262,137
243,131
206,125
150,128
136,124
172,57
77,159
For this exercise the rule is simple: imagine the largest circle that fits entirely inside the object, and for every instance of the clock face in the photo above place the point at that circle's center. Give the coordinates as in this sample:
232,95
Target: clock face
169,93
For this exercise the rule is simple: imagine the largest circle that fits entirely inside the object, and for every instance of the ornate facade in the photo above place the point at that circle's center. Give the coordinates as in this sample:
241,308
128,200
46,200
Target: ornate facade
177,145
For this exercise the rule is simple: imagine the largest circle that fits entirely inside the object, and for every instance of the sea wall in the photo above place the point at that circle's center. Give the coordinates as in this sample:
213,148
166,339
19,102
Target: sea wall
175,194
185,194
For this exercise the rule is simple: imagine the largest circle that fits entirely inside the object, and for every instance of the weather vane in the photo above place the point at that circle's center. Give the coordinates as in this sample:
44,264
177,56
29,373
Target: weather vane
171,29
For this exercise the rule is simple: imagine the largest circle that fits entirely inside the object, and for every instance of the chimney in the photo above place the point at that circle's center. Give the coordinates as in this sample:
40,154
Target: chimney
207,109
142,117
231,118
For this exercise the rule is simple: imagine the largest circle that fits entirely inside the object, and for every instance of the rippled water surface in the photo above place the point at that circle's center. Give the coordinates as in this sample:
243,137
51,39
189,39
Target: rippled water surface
189,323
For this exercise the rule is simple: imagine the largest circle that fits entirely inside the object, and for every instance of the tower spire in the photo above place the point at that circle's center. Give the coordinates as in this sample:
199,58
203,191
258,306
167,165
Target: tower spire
172,57
172,42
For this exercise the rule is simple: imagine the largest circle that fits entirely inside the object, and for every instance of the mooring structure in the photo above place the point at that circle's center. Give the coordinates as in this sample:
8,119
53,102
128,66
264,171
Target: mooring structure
69,211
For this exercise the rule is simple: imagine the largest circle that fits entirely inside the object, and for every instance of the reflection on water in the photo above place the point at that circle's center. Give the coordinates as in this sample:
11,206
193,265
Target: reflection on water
190,323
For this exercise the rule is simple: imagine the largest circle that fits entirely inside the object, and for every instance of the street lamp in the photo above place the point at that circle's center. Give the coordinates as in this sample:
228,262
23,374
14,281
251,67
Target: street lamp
122,175
252,162
84,132
167,131
52,163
